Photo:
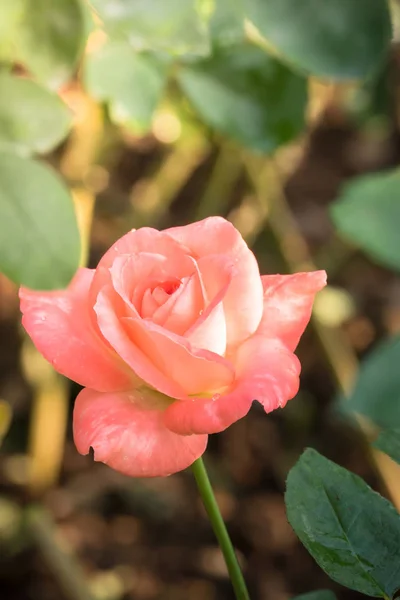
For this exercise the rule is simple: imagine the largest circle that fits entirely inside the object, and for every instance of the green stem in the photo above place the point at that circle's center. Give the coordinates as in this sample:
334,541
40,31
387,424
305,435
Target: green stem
217,522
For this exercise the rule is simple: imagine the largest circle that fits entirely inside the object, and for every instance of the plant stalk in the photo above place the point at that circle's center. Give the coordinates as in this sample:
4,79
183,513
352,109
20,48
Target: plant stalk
218,525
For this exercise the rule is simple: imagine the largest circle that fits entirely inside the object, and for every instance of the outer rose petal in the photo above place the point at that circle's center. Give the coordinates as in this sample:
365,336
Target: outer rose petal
267,372
243,301
61,328
129,438
288,301
135,241
144,239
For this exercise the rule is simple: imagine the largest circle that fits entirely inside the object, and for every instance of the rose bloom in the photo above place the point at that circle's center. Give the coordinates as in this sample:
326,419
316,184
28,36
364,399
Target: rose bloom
173,336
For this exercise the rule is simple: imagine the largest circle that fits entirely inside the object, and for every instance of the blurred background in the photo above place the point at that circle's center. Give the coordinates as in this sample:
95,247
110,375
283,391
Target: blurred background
146,116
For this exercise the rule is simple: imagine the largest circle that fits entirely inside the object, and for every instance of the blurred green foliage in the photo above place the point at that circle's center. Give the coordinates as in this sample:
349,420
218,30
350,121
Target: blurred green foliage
132,93
39,241
180,28
367,213
50,38
32,119
342,40
376,392
217,52
244,93
389,443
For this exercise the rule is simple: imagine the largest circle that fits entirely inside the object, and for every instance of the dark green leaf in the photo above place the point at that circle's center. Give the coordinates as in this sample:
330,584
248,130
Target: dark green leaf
371,104
39,238
389,443
51,38
319,595
367,213
350,530
32,119
344,39
157,25
131,82
376,393
248,95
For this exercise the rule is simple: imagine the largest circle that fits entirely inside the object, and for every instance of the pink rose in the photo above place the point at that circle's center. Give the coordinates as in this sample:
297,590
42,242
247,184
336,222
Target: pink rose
174,335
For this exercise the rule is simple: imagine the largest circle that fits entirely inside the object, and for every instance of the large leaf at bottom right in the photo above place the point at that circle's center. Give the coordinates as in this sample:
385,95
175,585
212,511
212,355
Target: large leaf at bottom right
389,443
351,531
318,595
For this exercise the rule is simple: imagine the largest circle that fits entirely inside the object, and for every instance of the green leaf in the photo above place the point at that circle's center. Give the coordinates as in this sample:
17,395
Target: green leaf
248,95
227,22
350,530
319,595
32,119
342,40
51,39
39,238
389,443
10,15
132,83
367,213
157,25
370,105
376,393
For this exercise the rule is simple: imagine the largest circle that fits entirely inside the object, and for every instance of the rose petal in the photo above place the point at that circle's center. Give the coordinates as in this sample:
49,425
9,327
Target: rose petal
210,333
209,330
129,437
112,326
266,371
288,301
183,307
164,360
140,240
149,305
135,242
197,371
243,303
132,275
61,327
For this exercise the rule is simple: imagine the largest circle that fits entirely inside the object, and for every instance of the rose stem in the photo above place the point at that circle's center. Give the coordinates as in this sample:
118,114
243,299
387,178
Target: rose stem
218,525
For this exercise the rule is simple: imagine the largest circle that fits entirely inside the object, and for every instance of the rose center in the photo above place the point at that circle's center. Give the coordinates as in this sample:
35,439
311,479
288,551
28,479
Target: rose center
157,295
169,287
164,290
